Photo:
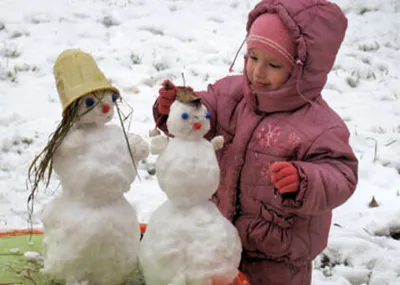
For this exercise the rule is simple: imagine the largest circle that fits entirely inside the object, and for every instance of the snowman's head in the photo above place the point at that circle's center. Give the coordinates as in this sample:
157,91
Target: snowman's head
96,108
188,120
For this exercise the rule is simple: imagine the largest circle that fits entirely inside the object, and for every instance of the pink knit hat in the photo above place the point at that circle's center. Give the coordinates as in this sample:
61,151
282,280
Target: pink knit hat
270,34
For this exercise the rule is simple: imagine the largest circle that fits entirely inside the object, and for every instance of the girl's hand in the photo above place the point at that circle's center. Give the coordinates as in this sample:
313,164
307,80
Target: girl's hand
285,177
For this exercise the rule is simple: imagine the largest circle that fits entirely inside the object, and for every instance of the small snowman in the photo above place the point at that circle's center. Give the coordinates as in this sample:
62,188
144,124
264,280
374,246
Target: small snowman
91,231
187,240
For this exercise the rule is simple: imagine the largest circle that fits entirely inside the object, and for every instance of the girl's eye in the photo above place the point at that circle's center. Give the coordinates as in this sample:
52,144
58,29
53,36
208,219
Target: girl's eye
252,57
275,65
185,116
89,102
114,97
208,115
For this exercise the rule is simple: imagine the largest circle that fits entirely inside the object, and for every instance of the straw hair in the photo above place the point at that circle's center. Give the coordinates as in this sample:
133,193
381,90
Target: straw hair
41,167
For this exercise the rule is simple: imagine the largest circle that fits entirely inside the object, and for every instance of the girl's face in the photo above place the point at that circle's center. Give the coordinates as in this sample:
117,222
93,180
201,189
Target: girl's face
264,70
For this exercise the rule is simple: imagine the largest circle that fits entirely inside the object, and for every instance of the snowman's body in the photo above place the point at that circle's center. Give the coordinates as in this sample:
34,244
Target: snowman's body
91,231
191,245
187,240
191,165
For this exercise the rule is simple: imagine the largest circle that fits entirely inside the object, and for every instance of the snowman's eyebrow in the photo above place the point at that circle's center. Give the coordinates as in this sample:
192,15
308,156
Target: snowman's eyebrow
98,95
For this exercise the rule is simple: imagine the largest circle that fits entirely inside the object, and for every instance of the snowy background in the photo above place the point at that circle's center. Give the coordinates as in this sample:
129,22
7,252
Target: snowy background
138,43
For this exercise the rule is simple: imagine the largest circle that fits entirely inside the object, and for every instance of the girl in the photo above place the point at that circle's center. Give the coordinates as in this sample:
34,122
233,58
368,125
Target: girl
286,162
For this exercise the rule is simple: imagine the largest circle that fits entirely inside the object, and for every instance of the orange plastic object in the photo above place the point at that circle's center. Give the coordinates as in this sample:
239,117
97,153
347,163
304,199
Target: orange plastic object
20,232
240,279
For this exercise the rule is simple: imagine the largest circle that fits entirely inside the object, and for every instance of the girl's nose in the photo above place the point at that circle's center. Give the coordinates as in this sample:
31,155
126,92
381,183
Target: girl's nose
260,71
106,108
197,126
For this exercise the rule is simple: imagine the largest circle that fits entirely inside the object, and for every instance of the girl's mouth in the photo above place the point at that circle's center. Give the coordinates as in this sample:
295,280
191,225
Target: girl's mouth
259,84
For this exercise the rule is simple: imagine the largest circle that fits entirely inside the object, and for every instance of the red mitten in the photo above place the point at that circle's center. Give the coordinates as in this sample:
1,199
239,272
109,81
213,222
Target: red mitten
166,97
285,177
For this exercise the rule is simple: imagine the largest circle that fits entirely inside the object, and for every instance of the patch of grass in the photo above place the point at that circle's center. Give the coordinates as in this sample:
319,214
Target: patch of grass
364,10
135,59
10,52
15,268
153,30
109,21
8,73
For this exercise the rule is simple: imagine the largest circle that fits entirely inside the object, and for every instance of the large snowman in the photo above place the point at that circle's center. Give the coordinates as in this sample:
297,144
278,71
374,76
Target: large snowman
91,231
187,240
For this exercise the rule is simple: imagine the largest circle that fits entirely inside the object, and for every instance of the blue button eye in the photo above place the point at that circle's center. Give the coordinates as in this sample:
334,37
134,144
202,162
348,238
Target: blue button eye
185,116
208,115
114,97
89,102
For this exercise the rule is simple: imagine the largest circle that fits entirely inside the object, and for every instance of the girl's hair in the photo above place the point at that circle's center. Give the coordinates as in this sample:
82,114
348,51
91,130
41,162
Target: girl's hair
41,167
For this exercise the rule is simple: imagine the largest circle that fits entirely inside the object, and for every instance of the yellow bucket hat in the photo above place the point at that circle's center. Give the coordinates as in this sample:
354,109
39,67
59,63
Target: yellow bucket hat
77,74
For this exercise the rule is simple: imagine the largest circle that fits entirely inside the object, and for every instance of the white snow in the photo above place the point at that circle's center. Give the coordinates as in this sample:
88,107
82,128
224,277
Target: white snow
139,43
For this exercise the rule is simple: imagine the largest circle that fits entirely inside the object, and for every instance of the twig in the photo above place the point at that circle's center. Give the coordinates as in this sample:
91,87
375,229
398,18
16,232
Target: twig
25,273
375,148
391,142
127,141
28,276
183,79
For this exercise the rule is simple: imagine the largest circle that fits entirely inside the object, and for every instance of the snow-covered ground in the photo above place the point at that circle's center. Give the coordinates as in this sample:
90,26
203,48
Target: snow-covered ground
138,43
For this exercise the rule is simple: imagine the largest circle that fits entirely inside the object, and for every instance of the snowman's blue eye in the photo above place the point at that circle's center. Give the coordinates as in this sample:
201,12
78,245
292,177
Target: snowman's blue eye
114,97
89,102
208,115
185,116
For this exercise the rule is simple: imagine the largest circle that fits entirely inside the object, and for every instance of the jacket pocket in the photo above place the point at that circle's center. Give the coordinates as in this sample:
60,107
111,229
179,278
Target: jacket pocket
267,235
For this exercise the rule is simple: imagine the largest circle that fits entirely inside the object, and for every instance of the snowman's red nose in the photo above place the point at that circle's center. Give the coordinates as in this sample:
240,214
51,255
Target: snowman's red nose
197,126
106,108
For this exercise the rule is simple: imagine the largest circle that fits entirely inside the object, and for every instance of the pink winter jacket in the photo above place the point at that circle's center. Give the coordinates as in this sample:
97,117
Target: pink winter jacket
290,124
